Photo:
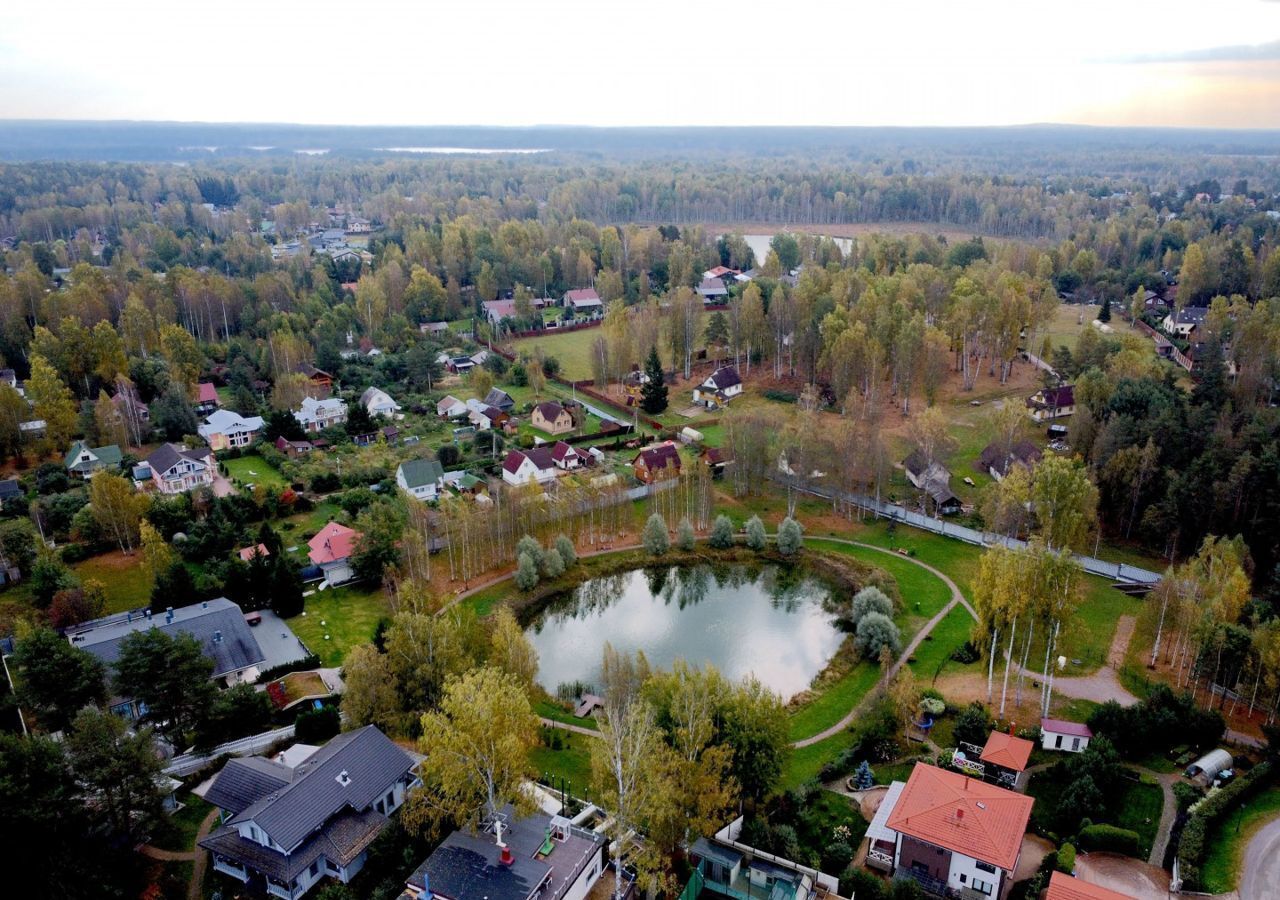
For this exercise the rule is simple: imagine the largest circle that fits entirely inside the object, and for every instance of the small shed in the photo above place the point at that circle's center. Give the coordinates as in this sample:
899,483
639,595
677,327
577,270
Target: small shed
1057,734
1005,758
691,435
1207,767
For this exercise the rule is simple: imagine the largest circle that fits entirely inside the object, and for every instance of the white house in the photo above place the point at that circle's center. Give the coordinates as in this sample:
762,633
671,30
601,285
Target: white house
331,550
1185,322
451,407
1057,734
225,429
175,469
564,456
721,386
525,466
420,478
378,402
316,415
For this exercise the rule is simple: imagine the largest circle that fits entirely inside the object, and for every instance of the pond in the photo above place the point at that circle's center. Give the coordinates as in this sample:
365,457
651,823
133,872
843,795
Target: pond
768,621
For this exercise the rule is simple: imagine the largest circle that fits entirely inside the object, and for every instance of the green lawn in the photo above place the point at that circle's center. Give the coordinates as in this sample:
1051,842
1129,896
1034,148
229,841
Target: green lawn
178,831
127,583
571,348
550,710
1226,843
572,762
1139,810
804,763
253,469
891,772
834,702
348,615
935,651
304,525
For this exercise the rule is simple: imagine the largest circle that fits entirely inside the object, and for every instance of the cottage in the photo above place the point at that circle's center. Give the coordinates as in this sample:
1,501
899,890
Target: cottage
529,466
176,470
321,381
720,387
552,417
497,310
331,550
83,460
421,478
1056,734
282,828
1183,323
450,408
225,429
565,457
584,301
1052,403
206,398
731,868
951,833
485,417
1005,758
712,291
1064,887
10,492
499,399
997,461
434,328
378,402
539,856
658,461
316,415
460,365
716,459
293,449
249,554
921,471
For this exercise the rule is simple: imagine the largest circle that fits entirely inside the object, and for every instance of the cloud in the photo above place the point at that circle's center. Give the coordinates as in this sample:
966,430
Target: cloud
1269,50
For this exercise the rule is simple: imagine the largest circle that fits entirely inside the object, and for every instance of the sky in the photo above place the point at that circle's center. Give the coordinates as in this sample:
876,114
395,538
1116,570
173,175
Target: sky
661,62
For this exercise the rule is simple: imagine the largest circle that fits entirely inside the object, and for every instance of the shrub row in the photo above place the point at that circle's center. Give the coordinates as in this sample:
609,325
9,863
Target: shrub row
1193,845
1109,837
311,661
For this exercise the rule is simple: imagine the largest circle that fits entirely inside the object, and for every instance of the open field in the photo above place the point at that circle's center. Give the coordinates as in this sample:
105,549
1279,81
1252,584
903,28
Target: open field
253,469
571,348
348,615
127,583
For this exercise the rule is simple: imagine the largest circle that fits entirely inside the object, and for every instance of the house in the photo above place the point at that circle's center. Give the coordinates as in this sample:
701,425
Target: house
539,856
954,835
293,449
219,626
721,273
499,399
257,551
997,462
484,417
459,365
434,327
450,408
731,868
378,402
528,466
716,459
920,472
1183,323
1004,758
584,301
206,398
633,384
9,377
421,478
10,490
130,409
497,310
1056,734
317,415
321,381
552,417
175,469
1052,403
1063,887
331,549
390,434
720,387
284,828
225,429
83,460
658,461
565,457
941,498
712,291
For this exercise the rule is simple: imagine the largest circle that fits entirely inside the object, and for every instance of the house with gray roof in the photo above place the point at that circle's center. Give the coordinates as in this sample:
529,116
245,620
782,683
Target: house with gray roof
83,460
285,828
421,478
175,469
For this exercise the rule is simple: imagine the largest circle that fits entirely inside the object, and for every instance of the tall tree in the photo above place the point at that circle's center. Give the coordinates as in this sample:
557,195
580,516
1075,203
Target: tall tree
171,675
57,680
119,768
117,508
653,393
52,402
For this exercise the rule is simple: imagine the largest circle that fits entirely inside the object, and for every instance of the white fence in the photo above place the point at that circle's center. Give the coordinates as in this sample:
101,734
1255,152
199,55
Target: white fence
187,763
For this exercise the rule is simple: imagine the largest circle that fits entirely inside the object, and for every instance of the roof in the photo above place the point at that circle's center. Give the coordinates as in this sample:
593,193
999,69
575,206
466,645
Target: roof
312,372
724,378
993,456
549,410
311,408
877,831
372,761
421,472
962,814
1054,398
248,553
206,393
9,488
341,840
717,456
1191,315
244,781
712,287
375,394
659,456
110,455
447,403
541,457
225,421
1063,887
1061,726
498,397
581,295
332,543
1007,751
562,451
166,456
218,625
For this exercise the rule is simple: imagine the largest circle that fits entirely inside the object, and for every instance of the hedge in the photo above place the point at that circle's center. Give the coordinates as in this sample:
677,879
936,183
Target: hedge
1109,837
1192,847
311,661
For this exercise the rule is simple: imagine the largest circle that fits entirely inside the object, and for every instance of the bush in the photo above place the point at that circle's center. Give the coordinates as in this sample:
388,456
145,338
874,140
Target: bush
1111,838
876,631
655,539
756,537
790,537
722,533
315,726
1192,846
568,555
527,572
686,539
551,563
780,396
1067,858
869,600
974,724
862,884
966,653
74,553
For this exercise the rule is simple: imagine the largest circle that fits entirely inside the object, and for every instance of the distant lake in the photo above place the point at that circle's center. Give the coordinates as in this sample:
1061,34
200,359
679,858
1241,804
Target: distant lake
456,150
768,621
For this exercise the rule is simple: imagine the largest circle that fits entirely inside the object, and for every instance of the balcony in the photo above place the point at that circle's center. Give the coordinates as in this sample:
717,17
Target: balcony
227,867
880,859
935,887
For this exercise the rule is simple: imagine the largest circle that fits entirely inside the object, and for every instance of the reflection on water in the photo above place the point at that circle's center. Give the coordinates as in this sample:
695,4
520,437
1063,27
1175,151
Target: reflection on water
767,621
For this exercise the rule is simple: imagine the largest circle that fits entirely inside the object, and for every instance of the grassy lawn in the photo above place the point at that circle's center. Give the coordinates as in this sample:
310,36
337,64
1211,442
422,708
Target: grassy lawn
571,348
179,830
127,583
253,470
834,702
303,684
935,651
1226,843
804,763
572,762
891,772
1139,810
549,710
349,616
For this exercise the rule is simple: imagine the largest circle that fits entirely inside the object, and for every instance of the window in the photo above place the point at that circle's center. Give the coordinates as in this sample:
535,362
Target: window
985,867
983,886
315,869
1058,745
963,878
1075,743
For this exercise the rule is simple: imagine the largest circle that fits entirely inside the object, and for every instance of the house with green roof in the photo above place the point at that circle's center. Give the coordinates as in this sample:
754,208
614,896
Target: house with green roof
421,478
84,460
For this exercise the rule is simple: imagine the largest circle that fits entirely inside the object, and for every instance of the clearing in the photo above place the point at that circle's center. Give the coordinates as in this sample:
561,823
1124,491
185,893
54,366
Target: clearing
253,469
337,619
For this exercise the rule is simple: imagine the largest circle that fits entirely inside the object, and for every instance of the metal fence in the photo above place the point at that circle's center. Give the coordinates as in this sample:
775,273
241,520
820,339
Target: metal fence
187,763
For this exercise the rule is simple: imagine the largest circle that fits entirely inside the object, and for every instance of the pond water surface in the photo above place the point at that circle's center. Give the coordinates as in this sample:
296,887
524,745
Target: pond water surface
768,621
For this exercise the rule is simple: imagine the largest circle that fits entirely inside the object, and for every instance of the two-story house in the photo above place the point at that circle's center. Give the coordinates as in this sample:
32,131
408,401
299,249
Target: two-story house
420,478
1052,403
317,415
175,469
721,386
552,417
285,828
526,466
659,461
83,460
225,429
321,381
206,398
331,550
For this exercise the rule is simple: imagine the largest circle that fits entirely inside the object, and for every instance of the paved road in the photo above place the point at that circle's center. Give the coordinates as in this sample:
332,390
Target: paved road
1261,877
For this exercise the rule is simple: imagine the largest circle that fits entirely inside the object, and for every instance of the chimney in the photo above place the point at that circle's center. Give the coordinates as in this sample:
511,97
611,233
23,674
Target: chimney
505,858
168,614
217,637
959,814
344,778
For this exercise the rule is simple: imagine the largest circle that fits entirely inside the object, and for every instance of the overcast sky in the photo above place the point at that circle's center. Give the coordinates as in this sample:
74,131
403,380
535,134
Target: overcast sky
661,62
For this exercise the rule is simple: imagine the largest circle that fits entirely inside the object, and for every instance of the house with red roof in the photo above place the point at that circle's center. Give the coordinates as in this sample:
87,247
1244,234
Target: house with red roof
1058,734
584,301
658,461
1005,758
206,398
1063,887
331,550
955,835
530,466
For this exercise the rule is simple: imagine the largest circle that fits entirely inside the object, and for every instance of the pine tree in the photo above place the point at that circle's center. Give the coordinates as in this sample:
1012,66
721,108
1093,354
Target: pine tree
653,395
863,778
1104,314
